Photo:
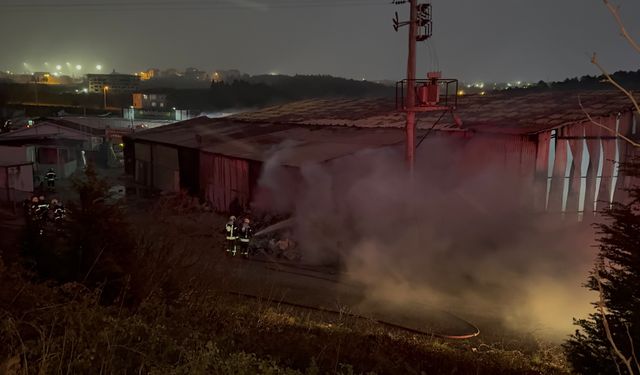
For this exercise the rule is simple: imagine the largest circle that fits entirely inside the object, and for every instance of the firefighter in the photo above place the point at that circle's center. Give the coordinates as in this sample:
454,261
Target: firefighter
245,234
33,206
41,214
59,214
50,176
231,229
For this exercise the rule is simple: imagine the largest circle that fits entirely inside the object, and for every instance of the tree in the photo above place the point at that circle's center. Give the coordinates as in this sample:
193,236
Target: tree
100,241
605,342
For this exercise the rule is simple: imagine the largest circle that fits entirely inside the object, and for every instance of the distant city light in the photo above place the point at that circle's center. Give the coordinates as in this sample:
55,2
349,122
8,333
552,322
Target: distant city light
85,90
482,92
460,92
99,67
78,67
519,83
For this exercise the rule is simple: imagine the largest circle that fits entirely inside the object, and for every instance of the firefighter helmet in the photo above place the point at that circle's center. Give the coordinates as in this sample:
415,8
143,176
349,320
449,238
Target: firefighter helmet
246,220
54,202
232,218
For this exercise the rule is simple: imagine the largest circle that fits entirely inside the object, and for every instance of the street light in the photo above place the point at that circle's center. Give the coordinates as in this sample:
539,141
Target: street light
99,67
104,91
58,67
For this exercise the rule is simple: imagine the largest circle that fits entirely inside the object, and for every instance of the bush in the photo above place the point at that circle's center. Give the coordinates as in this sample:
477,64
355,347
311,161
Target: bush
616,278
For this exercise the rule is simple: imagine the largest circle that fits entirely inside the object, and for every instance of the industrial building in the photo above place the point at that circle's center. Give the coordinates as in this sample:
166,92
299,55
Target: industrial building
114,82
150,102
544,138
64,144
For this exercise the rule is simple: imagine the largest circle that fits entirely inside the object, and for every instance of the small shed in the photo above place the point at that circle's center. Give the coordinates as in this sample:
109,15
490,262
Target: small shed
16,181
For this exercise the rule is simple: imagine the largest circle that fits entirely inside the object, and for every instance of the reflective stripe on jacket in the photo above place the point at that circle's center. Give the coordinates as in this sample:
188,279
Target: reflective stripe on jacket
231,231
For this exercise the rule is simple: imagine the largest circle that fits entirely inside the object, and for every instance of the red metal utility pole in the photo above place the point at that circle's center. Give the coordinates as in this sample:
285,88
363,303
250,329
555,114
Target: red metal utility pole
422,95
411,92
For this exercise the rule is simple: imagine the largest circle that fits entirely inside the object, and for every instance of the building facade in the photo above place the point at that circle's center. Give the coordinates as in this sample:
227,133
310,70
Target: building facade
153,102
113,82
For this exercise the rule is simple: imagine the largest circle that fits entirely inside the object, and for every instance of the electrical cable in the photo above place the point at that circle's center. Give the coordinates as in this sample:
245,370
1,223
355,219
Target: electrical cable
188,4
430,129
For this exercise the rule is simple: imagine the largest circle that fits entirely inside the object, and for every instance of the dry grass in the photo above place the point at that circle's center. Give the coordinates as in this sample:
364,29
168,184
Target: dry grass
183,325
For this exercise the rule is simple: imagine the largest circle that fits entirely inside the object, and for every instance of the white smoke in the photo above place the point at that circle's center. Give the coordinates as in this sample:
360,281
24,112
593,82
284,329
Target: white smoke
460,238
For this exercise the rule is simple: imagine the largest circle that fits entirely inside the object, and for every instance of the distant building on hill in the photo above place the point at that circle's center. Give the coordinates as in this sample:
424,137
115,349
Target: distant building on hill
115,82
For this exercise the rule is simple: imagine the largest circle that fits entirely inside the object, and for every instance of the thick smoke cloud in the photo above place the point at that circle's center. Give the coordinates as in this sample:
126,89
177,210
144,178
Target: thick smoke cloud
454,236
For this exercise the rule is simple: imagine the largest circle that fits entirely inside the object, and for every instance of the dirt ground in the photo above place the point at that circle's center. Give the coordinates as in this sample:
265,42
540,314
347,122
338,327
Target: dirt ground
200,236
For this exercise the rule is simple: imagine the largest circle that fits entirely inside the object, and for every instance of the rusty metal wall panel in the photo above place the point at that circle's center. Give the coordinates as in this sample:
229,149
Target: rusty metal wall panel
223,179
142,151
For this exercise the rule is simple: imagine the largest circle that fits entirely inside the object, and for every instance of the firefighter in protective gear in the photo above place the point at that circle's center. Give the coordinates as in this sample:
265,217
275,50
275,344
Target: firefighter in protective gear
232,235
50,176
41,214
33,208
59,214
246,232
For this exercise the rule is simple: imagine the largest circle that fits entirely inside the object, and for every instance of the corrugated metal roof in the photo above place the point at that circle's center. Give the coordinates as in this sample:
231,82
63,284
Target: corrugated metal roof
254,141
508,112
324,129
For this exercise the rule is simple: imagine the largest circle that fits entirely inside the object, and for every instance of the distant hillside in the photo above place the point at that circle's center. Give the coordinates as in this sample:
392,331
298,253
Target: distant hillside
266,89
254,91
629,80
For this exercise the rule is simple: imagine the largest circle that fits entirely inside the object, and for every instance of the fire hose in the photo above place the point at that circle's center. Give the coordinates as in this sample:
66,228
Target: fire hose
476,330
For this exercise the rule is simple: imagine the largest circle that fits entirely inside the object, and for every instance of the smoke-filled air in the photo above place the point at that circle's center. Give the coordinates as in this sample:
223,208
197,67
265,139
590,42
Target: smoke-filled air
454,237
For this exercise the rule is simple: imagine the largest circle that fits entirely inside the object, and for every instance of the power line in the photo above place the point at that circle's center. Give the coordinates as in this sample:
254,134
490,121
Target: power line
186,4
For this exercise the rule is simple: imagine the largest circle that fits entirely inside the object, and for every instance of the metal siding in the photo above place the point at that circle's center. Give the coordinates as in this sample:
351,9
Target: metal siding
142,151
165,166
557,180
222,179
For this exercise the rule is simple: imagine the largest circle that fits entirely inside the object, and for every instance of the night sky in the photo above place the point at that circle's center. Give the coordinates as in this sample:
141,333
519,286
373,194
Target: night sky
489,40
